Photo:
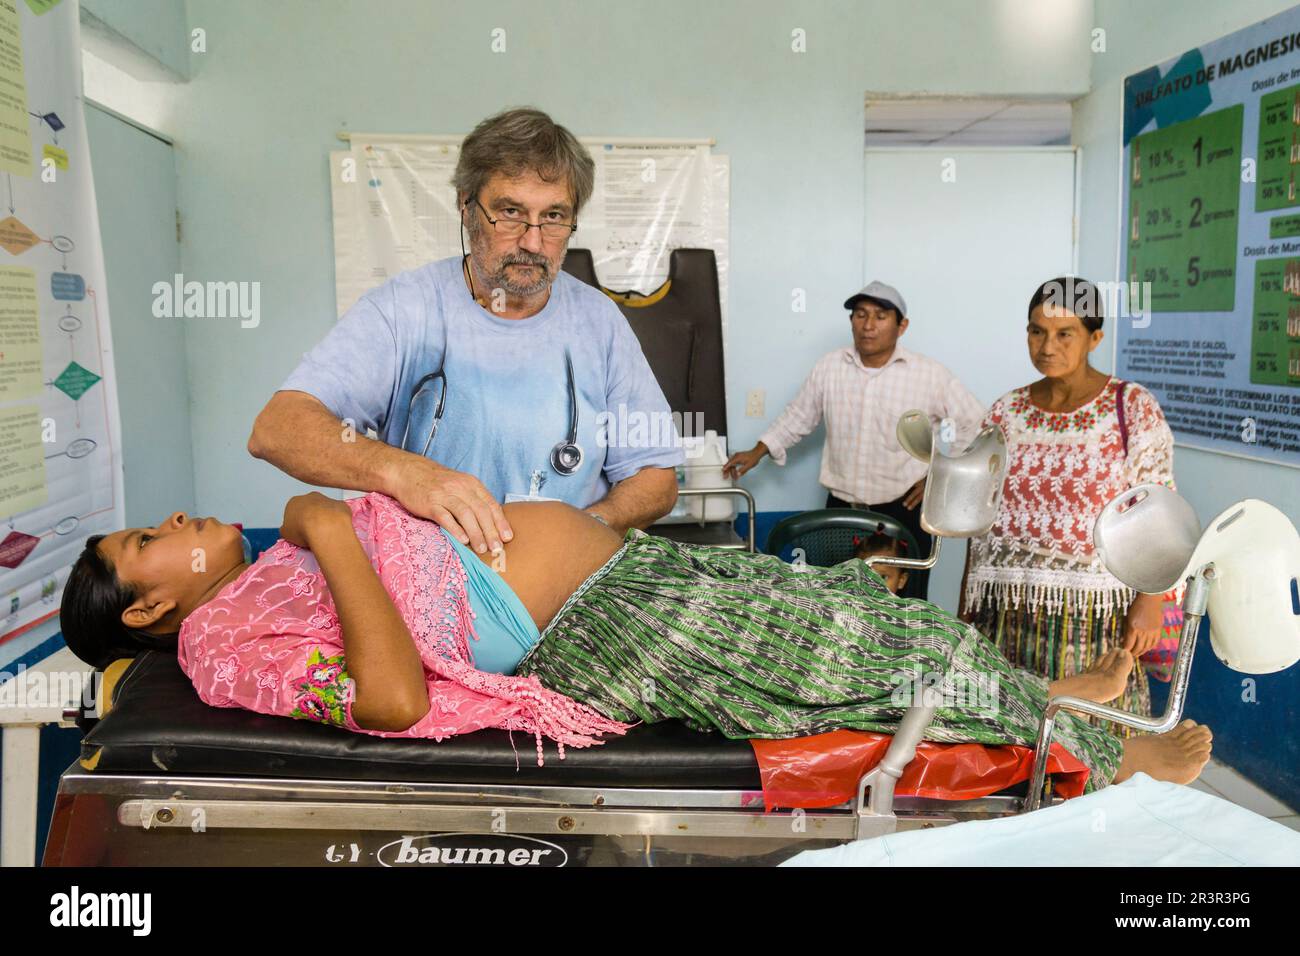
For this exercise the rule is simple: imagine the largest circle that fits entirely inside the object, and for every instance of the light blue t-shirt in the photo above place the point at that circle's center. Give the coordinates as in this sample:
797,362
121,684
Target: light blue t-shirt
507,401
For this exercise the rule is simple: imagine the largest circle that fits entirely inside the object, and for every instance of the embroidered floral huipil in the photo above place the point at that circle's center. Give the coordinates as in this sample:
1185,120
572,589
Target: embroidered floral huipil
1064,468
271,640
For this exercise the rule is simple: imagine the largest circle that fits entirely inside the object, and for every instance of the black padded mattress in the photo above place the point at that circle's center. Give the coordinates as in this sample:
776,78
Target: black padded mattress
158,725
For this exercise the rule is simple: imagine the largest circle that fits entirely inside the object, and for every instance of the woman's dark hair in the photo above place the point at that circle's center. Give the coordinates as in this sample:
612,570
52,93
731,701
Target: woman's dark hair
91,612
1071,294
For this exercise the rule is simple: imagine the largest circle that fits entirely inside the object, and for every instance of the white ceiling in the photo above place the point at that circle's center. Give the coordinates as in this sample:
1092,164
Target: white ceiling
966,122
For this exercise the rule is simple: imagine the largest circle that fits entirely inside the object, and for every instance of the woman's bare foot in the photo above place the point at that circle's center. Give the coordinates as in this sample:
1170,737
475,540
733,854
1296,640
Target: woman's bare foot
1177,756
1102,682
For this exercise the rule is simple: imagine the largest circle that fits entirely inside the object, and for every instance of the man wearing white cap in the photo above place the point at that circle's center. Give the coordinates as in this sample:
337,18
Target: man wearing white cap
861,391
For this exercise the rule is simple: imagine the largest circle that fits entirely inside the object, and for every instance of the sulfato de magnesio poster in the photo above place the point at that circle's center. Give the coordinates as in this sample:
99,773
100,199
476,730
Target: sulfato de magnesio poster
1210,241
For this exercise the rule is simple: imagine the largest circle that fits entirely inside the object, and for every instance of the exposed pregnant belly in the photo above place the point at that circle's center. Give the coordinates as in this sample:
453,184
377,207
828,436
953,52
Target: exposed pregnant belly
555,548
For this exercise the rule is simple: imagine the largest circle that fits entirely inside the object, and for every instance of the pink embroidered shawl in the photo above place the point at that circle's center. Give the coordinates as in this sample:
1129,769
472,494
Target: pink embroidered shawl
271,641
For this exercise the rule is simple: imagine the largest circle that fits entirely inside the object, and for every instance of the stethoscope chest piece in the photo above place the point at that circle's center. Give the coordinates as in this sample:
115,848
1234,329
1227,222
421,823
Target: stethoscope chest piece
566,457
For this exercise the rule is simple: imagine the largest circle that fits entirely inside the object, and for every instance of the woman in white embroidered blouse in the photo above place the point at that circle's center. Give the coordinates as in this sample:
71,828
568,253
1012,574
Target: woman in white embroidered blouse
1077,438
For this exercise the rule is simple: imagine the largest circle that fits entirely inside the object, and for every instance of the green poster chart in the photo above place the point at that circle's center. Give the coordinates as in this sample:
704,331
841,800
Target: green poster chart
1275,323
1185,181
1279,150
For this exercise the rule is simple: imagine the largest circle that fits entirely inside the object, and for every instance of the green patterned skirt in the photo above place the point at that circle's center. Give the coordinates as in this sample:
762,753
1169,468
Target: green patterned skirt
1063,643
751,646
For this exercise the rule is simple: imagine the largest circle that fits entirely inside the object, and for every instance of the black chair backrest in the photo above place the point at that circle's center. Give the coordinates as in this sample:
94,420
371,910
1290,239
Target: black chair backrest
831,535
680,331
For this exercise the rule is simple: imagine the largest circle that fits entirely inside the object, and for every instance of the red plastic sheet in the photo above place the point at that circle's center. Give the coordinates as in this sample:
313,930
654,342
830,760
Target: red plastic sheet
824,770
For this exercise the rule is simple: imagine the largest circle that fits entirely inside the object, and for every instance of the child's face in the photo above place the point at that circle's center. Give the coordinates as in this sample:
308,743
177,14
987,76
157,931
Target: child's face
895,578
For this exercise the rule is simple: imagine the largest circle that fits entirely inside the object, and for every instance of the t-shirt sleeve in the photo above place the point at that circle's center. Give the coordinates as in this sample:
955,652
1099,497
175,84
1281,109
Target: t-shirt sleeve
283,675
633,390
353,371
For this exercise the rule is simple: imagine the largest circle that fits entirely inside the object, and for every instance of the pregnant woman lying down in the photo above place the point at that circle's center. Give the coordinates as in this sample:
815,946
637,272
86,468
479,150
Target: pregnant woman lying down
366,617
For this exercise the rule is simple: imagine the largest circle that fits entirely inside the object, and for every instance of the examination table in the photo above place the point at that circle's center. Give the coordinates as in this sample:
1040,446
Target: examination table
165,779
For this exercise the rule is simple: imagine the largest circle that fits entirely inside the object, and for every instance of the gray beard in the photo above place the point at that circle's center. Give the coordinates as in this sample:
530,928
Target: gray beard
501,280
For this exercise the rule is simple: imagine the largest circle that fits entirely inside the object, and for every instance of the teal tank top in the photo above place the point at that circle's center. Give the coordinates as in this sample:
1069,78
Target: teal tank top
505,630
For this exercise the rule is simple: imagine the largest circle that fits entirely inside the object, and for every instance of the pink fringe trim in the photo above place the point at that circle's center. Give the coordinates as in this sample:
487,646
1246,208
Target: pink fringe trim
540,712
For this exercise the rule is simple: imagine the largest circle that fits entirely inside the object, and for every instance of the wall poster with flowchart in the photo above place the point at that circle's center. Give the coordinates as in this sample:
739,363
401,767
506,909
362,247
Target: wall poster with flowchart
60,447
394,209
1211,229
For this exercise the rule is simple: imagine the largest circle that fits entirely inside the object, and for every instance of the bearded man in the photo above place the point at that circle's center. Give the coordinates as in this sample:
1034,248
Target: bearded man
487,377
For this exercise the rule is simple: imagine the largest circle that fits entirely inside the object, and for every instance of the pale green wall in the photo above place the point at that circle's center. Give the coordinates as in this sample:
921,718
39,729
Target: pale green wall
279,79
157,27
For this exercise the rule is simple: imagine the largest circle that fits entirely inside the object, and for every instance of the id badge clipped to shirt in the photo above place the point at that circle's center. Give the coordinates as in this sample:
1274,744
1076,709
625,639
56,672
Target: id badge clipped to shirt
536,480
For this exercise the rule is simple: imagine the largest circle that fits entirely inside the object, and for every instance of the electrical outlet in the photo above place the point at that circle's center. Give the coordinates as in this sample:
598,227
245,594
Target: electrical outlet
755,402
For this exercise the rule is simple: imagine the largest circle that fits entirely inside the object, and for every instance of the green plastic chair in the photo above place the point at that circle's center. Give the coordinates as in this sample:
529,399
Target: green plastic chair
827,536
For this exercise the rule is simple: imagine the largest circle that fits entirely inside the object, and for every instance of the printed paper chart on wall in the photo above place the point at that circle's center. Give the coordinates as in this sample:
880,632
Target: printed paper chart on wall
395,209
1212,223
60,466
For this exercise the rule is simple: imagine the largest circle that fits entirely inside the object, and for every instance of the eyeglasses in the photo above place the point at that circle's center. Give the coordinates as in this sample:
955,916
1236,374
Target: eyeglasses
515,228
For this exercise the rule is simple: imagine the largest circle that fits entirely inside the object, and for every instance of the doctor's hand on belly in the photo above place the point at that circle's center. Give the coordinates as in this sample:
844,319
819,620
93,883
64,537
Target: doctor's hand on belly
457,501
298,434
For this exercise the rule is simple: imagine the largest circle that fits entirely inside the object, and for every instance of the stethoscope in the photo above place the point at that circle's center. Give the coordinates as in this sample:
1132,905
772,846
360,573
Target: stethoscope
426,383
566,456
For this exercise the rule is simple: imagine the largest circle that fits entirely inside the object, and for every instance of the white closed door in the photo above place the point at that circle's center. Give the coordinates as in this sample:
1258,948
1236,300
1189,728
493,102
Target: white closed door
966,235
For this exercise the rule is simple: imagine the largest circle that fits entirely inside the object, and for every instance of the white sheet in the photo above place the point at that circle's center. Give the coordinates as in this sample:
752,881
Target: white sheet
1141,822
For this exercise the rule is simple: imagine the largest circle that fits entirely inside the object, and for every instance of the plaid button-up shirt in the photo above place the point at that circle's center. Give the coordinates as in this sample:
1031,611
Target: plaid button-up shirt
862,460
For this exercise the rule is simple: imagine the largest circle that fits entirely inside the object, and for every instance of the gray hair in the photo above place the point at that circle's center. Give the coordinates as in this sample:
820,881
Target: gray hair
524,140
